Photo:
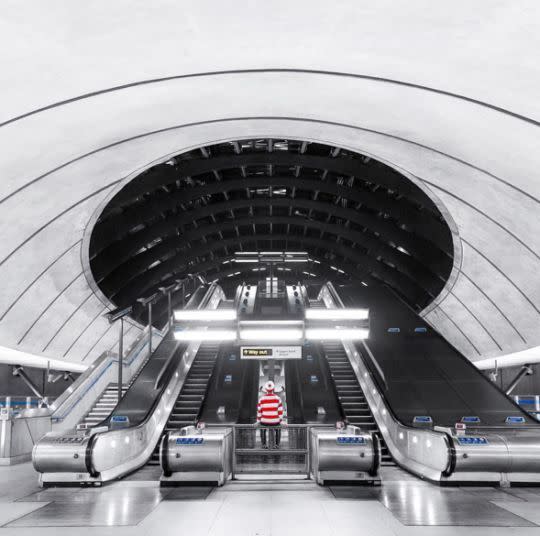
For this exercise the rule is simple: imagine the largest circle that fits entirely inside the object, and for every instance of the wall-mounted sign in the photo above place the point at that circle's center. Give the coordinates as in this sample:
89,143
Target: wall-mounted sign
470,419
468,440
515,420
271,352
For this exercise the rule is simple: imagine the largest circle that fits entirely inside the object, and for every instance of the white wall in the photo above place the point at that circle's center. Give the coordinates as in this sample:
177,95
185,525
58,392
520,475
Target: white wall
445,91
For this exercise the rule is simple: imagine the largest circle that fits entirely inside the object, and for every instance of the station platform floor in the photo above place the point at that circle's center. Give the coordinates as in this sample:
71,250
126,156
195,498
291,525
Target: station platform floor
402,506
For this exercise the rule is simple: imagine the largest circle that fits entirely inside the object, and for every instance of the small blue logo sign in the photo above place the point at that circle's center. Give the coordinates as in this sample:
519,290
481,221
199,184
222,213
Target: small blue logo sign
422,419
189,440
515,420
470,419
468,440
351,440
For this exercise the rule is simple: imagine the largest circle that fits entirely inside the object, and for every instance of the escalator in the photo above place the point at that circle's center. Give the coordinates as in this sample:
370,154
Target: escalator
353,402
418,386
168,391
188,405
227,400
421,373
353,405
311,394
146,391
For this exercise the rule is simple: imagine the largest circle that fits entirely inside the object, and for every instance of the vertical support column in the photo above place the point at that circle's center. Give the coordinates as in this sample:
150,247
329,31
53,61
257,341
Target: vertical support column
121,360
308,452
149,329
271,369
113,316
233,468
168,291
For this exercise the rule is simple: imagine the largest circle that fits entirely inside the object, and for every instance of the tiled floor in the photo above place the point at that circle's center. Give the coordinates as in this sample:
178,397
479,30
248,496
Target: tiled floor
402,506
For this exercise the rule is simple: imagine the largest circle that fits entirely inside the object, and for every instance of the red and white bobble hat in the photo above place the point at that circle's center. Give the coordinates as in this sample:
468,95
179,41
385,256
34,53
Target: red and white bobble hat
269,387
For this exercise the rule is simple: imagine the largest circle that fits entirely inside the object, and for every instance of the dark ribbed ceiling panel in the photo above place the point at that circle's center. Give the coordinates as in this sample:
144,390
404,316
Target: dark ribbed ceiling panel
359,220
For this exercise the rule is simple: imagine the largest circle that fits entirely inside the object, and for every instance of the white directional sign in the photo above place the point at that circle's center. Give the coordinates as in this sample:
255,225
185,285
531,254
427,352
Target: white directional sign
271,352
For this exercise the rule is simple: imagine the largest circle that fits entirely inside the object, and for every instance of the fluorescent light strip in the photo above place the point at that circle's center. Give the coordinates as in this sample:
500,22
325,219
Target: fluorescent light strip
205,314
270,323
337,334
337,314
205,335
284,334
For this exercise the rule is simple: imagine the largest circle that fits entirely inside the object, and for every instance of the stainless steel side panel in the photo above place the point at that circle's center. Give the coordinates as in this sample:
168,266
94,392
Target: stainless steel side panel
333,456
492,457
58,452
524,451
509,452
212,454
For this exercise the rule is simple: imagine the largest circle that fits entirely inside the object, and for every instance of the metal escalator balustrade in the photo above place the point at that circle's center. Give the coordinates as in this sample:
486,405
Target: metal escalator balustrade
496,452
108,400
126,440
188,405
350,394
72,406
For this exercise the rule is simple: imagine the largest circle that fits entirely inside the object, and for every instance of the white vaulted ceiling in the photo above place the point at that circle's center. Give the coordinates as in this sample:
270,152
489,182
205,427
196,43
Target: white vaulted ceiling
92,93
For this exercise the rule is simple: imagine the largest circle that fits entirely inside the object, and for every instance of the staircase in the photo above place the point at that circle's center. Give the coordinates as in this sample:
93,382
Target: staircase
190,400
351,397
108,400
103,406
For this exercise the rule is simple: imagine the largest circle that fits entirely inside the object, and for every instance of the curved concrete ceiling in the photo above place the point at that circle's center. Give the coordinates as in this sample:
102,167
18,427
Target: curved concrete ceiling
446,94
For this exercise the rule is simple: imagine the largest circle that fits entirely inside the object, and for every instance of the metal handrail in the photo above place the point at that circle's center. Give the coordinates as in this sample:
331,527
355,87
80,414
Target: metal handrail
23,401
134,352
81,379
257,425
336,297
143,437
393,431
201,305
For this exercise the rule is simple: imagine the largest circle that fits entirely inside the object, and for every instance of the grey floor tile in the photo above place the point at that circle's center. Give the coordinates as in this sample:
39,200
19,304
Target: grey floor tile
443,506
95,514
107,506
527,510
187,493
358,493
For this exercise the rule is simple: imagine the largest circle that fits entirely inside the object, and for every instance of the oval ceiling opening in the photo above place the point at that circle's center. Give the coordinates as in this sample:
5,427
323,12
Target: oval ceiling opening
358,219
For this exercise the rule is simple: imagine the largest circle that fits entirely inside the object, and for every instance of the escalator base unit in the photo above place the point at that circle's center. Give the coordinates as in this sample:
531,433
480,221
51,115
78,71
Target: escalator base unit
503,458
62,458
61,452
191,455
344,455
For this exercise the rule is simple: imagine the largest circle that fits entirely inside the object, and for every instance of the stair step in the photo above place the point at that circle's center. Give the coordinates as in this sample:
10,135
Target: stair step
351,397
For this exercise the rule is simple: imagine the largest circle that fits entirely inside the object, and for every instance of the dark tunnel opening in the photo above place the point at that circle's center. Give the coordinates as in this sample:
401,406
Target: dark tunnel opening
358,219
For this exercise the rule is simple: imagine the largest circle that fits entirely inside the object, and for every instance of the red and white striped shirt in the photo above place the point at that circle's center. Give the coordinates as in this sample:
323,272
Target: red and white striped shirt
270,409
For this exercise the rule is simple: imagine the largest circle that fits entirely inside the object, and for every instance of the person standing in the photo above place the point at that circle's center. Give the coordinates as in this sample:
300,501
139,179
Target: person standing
269,416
